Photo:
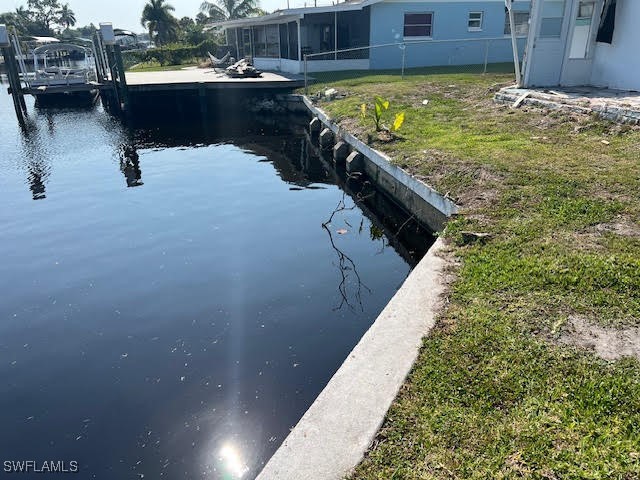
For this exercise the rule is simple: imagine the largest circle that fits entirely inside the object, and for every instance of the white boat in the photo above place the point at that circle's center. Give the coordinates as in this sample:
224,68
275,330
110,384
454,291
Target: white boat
52,75
71,81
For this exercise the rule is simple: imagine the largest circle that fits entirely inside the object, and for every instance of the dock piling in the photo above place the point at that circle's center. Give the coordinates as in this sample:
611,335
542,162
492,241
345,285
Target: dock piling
15,83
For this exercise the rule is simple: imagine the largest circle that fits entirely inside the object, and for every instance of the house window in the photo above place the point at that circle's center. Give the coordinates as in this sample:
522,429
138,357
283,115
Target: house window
418,24
552,18
475,21
521,21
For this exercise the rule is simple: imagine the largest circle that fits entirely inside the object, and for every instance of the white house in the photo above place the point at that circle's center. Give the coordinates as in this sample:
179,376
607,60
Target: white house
583,42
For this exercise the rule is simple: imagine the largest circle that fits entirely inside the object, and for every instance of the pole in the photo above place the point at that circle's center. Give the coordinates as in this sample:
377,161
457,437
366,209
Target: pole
403,46
112,69
15,86
335,35
122,79
514,42
299,42
306,77
486,56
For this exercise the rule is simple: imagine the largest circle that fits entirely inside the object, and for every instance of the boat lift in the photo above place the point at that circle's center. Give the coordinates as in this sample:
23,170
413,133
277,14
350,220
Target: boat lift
103,71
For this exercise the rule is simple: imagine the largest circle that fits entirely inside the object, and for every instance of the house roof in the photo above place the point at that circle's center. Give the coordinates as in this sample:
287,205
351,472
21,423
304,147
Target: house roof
291,14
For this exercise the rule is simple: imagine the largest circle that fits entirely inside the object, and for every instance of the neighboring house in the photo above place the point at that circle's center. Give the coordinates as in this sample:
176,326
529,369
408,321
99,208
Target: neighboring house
584,42
437,32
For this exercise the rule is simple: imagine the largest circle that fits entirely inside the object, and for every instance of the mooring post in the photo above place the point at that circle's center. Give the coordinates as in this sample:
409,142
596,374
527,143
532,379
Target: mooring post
122,80
15,84
114,76
109,41
100,69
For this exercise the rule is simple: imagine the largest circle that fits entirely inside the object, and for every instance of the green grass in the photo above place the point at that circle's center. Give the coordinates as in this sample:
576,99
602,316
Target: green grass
156,67
493,393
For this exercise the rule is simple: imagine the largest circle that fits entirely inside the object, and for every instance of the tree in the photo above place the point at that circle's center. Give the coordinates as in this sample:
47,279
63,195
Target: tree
66,17
22,20
191,33
44,13
186,22
159,21
229,9
202,18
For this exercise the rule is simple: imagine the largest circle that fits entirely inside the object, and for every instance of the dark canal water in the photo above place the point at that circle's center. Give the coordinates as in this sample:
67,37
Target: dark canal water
171,302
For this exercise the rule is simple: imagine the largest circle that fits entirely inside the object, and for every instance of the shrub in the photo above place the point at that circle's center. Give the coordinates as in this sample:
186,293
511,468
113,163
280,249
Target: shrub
174,54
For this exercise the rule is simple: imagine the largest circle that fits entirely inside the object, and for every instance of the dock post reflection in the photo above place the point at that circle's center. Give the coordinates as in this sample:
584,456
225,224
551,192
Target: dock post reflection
130,165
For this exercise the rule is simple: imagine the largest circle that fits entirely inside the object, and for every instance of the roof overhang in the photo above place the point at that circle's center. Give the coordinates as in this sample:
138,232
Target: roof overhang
291,14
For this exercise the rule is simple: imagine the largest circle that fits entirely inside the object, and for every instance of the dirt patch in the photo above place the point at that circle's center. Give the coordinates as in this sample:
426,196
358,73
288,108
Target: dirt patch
623,226
608,343
354,127
469,185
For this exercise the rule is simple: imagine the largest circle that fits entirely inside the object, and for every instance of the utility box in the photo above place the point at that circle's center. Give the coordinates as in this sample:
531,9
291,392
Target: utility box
4,36
108,37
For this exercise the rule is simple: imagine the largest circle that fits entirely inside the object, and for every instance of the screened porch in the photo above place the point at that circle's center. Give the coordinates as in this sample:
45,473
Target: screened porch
283,44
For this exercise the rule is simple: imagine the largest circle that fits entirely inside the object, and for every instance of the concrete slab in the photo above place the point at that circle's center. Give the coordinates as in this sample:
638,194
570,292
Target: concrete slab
616,105
207,78
334,434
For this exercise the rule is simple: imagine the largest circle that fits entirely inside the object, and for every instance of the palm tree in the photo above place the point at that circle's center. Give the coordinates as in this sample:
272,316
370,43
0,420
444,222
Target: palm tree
158,20
229,9
66,17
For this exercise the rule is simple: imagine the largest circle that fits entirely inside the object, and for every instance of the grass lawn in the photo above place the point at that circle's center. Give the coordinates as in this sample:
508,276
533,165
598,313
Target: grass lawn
498,391
156,67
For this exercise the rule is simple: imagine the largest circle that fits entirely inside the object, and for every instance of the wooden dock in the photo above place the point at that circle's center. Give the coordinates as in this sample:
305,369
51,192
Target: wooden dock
208,79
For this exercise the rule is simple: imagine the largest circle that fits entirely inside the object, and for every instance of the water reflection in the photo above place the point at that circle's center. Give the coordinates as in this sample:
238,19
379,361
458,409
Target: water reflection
346,265
232,464
36,160
130,165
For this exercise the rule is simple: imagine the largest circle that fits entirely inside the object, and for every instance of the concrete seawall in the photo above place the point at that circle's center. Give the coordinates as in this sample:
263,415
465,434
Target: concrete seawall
336,431
427,205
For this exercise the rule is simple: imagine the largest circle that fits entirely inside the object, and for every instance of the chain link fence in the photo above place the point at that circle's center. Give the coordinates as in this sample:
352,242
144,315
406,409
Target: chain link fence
420,57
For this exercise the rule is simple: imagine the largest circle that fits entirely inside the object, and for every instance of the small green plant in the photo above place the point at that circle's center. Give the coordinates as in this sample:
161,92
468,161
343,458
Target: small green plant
380,106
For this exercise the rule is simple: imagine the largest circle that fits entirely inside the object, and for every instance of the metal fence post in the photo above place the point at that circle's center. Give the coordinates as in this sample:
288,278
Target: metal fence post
486,56
306,77
404,50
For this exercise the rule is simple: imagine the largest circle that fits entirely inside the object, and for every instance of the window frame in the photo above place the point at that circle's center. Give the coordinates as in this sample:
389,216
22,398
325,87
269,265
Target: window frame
417,37
508,26
481,20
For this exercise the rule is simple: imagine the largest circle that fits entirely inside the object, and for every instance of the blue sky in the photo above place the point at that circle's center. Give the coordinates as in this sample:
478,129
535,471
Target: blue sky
126,13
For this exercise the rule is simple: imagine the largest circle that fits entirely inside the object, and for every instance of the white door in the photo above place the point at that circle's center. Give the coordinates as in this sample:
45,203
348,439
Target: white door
581,43
547,41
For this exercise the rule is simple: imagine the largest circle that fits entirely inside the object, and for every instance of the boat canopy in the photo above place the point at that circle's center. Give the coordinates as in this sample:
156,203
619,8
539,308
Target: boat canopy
58,47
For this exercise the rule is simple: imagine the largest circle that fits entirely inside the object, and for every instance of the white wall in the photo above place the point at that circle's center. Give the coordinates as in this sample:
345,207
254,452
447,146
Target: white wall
278,64
336,65
618,65
263,63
